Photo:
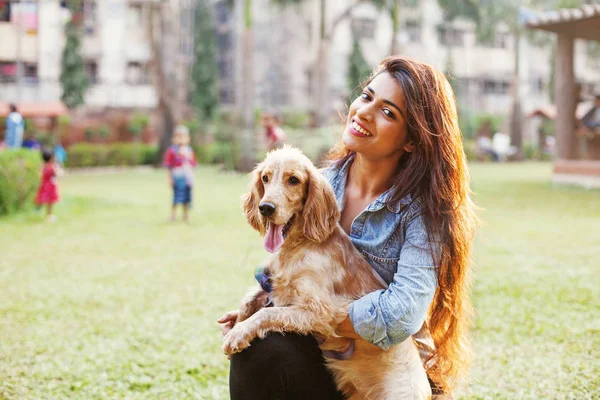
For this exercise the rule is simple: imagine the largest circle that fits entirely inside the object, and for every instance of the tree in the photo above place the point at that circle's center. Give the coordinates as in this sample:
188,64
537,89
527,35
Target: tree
73,79
358,69
247,105
393,7
205,75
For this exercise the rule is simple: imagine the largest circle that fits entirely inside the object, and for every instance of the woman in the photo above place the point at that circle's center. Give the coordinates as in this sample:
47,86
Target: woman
402,185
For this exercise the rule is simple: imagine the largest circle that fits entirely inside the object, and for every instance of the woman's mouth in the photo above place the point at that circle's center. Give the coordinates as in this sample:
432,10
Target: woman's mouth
357,130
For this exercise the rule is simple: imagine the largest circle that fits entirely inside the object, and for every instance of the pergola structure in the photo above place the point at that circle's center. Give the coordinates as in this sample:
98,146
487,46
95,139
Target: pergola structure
570,24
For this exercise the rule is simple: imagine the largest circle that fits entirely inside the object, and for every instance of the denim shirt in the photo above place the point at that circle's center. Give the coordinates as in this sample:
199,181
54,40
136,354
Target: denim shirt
393,239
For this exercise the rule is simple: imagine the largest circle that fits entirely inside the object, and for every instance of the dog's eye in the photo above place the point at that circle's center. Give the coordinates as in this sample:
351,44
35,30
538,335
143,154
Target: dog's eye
265,179
293,180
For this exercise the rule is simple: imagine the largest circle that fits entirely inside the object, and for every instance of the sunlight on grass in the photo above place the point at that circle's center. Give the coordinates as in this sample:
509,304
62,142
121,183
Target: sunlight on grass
115,302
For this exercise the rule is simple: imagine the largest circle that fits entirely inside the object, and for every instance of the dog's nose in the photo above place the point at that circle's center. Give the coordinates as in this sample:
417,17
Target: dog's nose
266,209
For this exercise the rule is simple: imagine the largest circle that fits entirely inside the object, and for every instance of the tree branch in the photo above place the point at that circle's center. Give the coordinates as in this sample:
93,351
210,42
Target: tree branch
345,14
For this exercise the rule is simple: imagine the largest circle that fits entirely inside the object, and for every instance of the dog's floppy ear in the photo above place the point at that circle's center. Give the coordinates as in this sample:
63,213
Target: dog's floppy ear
252,199
320,212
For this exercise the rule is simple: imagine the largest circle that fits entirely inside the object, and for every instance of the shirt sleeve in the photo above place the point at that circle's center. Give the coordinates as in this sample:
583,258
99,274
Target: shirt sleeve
387,317
168,160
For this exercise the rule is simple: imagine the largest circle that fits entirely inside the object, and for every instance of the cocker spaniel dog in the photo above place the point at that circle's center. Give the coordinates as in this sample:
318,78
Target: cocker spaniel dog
315,274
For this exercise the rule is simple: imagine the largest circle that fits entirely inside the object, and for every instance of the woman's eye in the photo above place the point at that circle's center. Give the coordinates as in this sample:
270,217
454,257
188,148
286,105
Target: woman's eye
265,179
293,180
365,96
389,113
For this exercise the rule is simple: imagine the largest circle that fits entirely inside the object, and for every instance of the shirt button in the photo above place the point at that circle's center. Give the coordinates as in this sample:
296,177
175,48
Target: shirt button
354,231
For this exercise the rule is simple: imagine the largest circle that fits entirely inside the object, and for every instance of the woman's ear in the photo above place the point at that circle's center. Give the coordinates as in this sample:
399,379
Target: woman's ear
320,213
409,147
252,199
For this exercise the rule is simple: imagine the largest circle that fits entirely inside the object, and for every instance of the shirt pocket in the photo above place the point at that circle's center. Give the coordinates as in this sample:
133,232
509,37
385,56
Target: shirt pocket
385,267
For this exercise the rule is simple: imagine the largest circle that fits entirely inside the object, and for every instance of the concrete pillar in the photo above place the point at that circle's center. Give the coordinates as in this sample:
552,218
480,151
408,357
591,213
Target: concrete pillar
565,97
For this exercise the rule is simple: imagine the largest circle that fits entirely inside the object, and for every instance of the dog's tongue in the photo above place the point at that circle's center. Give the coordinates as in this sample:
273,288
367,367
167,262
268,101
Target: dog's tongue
274,237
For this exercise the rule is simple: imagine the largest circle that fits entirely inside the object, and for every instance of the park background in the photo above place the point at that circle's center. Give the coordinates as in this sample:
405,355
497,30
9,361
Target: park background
114,301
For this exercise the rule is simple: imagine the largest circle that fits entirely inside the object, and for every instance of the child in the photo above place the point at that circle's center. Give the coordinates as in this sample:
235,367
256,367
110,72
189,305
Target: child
48,192
273,132
180,160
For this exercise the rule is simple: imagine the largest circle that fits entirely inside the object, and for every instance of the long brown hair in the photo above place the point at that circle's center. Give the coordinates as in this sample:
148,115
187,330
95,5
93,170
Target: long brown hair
436,175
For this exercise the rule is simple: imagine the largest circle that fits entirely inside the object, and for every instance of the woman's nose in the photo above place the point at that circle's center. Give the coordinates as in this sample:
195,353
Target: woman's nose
365,112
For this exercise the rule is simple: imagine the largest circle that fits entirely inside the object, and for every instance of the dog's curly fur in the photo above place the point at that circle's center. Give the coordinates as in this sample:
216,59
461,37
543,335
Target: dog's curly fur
315,275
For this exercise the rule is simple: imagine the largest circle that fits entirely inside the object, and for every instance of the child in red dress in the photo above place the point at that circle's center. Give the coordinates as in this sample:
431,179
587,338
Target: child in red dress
48,191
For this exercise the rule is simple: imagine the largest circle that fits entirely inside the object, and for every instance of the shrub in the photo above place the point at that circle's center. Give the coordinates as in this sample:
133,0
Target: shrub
137,124
19,178
114,154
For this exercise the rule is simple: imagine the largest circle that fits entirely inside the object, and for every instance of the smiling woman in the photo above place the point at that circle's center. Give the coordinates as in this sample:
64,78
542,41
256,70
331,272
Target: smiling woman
401,183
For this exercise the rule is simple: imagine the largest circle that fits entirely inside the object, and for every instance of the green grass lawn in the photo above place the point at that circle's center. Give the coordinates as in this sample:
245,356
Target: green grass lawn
114,302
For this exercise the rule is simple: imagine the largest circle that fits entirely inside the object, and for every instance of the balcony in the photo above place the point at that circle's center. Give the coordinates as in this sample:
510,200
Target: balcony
14,47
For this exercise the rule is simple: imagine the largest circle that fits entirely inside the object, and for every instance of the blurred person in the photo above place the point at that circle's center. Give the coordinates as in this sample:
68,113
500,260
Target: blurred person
31,143
180,160
60,154
48,191
591,120
274,134
402,185
15,126
483,141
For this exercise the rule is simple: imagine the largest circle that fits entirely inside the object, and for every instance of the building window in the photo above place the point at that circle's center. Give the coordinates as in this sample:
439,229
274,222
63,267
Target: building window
538,85
91,71
30,73
495,87
8,72
5,11
135,15
90,17
227,96
137,73
413,30
499,41
364,27
452,36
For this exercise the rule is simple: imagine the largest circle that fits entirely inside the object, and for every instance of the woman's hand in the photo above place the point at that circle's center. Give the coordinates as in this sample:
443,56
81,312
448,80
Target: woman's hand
346,329
228,321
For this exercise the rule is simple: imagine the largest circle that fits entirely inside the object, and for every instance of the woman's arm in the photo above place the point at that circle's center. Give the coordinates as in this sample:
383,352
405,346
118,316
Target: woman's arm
387,317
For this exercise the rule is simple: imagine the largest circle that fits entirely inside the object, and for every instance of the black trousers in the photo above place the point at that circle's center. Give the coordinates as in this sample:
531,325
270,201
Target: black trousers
281,367
286,367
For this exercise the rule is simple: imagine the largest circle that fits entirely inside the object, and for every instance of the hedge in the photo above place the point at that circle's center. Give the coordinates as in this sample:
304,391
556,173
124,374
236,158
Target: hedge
113,154
19,178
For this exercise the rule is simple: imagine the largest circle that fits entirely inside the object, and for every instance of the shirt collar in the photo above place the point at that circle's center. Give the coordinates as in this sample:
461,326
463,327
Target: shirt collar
384,200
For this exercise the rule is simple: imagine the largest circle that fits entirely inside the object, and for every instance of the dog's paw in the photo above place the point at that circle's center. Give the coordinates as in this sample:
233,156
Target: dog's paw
235,341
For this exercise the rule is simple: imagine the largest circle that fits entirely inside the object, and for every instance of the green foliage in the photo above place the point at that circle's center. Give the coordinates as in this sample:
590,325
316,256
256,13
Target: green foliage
137,124
64,120
295,119
19,179
358,70
470,122
73,79
205,75
104,132
114,154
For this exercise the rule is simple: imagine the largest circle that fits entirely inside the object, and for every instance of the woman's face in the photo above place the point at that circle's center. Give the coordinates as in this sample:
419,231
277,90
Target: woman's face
376,127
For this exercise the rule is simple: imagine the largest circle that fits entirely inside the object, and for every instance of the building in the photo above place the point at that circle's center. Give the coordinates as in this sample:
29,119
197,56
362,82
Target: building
115,49
286,43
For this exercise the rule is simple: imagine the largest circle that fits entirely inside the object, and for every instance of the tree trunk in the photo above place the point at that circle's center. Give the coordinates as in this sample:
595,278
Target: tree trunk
395,47
167,127
164,93
323,100
516,118
247,140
